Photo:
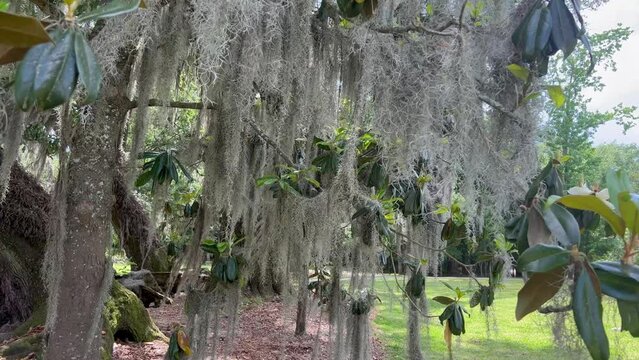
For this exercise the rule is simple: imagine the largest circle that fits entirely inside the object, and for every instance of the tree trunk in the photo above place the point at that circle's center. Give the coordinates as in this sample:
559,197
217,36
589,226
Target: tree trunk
302,302
83,275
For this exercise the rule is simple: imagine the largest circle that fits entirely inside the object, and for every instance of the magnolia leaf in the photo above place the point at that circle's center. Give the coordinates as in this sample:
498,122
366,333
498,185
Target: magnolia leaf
144,178
564,28
10,54
25,76
629,312
562,225
587,311
520,72
538,232
89,71
543,258
448,337
114,8
56,74
183,342
21,31
540,288
556,94
531,96
618,280
444,300
4,5
596,205
629,209
617,182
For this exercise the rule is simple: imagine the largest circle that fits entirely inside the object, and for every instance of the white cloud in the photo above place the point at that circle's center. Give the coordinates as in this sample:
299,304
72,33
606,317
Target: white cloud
623,85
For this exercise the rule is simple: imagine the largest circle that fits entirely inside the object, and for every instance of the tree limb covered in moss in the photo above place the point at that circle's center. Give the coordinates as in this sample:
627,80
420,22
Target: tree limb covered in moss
199,105
396,30
501,108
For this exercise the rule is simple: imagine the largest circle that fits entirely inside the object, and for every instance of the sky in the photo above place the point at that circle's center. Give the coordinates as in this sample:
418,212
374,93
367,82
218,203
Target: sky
622,85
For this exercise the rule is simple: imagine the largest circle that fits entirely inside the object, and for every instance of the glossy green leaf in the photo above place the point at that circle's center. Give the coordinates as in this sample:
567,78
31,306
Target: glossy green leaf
543,258
4,5
520,72
596,205
617,280
629,312
617,182
536,182
587,311
444,300
56,74
456,322
144,178
564,28
447,313
562,225
113,8
90,74
540,288
25,76
556,94
231,269
629,209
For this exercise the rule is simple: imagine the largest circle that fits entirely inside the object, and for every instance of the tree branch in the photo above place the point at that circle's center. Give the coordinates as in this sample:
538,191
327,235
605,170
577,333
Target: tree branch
501,108
554,309
396,30
199,105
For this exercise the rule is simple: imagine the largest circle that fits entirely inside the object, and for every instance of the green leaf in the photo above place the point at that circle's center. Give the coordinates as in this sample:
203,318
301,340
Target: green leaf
618,280
536,182
56,74
90,74
267,180
587,311
543,258
617,182
444,300
531,96
562,225
114,8
629,209
4,5
21,31
629,312
447,313
519,71
183,169
556,94
596,205
350,8
564,28
537,231
360,212
144,178
25,76
231,269
540,288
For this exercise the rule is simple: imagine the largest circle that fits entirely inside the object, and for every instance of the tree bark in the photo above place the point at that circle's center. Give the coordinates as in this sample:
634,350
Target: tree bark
77,297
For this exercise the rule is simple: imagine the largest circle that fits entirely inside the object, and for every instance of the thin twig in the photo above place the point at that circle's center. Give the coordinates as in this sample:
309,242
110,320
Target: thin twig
554,309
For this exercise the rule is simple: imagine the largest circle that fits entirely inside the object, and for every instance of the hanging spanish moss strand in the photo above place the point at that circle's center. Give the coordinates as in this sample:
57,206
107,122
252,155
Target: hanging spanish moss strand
10,145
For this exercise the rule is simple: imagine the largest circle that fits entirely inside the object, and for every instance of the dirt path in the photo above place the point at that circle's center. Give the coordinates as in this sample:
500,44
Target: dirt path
265,332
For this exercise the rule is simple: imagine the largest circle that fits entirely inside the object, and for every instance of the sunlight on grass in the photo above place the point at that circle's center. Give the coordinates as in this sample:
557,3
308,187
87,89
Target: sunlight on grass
530,338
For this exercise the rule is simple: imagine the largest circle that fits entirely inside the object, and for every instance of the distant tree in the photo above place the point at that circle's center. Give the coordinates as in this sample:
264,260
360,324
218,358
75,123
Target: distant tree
570,127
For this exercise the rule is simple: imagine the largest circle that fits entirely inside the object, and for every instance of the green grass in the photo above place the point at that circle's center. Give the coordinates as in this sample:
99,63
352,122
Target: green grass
530,338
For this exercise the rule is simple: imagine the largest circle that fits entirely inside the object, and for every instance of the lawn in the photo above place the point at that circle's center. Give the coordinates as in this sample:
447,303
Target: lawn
530,338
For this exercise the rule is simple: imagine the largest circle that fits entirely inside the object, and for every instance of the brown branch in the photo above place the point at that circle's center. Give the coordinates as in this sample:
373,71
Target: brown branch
501,108
397,30
199,105
554,309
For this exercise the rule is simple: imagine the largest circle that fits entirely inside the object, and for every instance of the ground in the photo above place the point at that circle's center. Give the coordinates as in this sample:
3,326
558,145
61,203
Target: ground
530,338
265,332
